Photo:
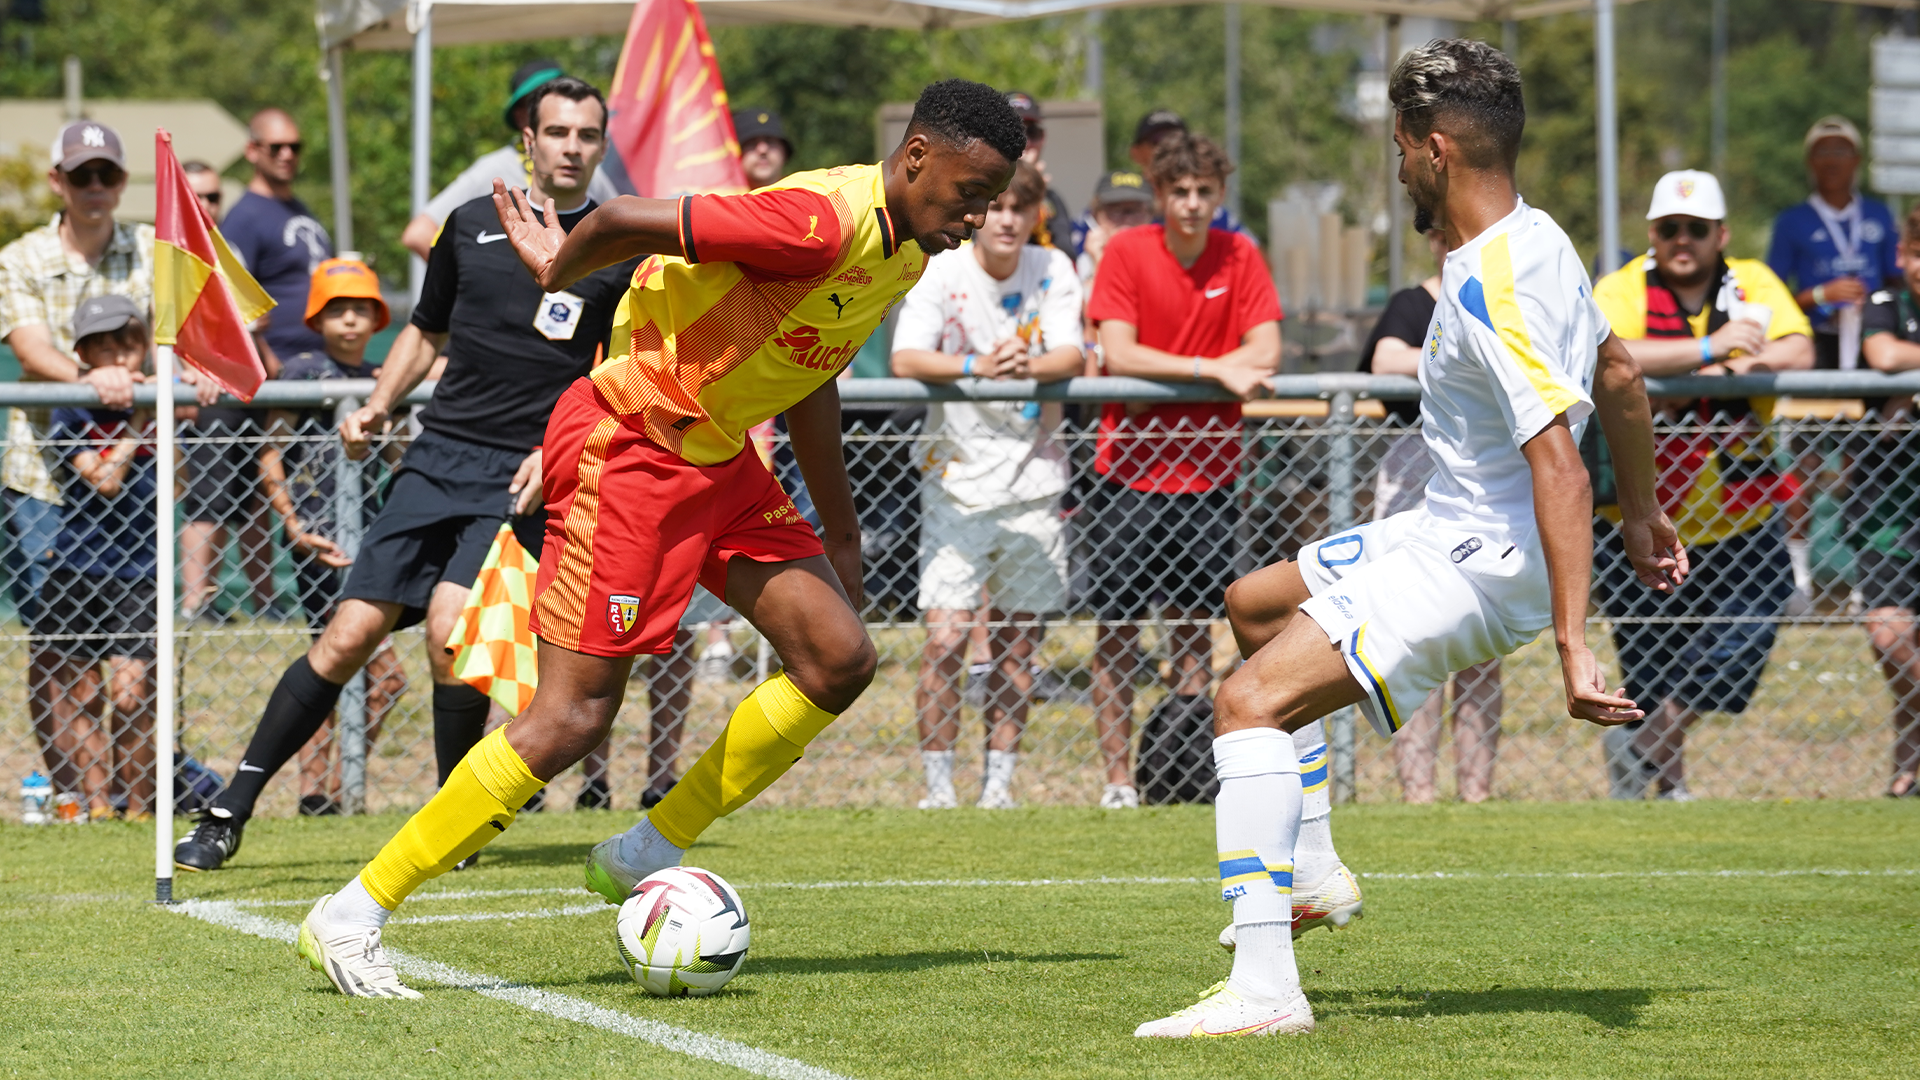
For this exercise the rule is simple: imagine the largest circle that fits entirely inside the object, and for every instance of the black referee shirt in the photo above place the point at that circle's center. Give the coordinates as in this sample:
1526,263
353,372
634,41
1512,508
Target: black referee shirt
512,348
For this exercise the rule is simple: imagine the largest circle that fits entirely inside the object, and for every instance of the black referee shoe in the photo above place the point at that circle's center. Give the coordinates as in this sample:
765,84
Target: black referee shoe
214,840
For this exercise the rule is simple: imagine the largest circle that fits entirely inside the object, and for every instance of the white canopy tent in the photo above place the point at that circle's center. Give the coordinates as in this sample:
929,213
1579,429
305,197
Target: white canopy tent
420,24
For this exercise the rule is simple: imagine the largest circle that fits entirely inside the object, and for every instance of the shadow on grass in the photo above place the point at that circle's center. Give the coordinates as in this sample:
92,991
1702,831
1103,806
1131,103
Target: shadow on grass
875,963
510,854
884,963
1616,1007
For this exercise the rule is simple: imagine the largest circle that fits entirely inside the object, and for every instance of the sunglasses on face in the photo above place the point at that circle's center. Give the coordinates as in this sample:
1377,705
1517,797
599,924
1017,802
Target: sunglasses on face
275,149
108,175
1699,230
212,198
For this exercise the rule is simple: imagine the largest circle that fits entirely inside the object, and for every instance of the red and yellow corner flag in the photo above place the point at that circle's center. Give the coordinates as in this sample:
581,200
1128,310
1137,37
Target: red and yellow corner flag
493,650
670,123
203,298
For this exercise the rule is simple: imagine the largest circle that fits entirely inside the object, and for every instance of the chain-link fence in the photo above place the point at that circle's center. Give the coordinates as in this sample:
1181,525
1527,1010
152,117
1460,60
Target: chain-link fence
1786,668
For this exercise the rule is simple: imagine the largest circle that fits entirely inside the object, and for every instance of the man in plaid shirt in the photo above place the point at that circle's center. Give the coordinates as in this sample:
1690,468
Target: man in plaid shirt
44,276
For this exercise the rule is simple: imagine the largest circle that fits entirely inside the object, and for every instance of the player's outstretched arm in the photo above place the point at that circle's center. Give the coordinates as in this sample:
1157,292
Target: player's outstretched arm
1563,510
616,231
1620,404
814,425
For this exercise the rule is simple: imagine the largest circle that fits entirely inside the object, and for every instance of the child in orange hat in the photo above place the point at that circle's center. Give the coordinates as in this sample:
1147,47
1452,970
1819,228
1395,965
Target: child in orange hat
298,469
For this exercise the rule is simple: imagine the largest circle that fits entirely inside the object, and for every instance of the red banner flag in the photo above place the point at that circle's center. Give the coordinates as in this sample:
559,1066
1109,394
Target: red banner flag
203,298
670,123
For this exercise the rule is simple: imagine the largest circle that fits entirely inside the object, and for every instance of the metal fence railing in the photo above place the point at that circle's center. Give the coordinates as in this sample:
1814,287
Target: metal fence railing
1779,680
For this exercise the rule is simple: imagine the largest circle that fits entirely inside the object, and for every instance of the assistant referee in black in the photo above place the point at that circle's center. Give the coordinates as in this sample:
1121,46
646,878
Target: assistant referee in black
511,351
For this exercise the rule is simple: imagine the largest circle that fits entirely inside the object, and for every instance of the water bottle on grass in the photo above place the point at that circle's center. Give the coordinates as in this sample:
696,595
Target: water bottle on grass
36,796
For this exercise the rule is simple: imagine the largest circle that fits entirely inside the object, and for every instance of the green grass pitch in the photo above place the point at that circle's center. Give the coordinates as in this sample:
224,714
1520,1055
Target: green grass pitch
1588,940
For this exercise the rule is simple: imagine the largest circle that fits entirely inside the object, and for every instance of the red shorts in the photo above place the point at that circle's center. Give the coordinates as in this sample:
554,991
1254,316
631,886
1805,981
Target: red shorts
631,526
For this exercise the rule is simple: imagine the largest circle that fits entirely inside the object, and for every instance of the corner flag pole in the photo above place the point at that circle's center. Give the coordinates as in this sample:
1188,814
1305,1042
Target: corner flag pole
163,629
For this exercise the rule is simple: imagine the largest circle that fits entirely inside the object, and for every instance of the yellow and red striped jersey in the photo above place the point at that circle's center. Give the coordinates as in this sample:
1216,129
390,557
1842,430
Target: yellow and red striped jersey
777,291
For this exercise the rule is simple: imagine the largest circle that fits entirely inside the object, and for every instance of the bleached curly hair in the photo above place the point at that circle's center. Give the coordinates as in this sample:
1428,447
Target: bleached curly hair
1468,90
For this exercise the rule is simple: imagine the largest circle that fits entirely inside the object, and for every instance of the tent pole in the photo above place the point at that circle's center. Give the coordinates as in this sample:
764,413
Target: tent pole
422,127
1094,82
1233,105
1717,152
1396,198
337,149
1607,121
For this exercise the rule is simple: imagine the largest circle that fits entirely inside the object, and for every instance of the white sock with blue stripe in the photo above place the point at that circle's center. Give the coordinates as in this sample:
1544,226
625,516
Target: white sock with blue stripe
1256,819
1313,854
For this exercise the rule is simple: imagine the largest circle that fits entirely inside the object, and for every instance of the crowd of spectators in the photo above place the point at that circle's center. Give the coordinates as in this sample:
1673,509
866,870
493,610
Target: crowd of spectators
1156,279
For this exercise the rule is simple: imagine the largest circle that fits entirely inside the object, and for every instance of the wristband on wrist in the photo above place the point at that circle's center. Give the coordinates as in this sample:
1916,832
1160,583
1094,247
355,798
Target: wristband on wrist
1196,369
1706,351
1819,294
966,364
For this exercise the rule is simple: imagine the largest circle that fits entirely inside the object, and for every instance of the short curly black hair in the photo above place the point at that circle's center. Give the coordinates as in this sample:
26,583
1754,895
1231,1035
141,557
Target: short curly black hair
961,112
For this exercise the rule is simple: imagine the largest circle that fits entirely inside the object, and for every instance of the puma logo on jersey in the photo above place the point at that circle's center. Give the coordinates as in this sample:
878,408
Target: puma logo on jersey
813,222
839,305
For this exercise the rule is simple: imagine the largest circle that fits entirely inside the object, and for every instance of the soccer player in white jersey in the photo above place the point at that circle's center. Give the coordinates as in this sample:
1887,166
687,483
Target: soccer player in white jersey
1517,358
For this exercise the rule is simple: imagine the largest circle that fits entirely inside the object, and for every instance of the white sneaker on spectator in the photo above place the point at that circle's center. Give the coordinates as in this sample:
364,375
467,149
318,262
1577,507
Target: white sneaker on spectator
1119,797
997,799
941,799
1678,793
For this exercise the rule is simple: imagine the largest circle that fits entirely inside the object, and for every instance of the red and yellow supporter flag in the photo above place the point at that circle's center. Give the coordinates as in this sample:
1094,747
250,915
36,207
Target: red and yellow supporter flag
670,123
203,298
493,649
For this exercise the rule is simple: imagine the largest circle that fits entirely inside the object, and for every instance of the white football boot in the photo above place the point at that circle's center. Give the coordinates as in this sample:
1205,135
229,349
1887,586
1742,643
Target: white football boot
351,957
613,878
1333,903
1222,1013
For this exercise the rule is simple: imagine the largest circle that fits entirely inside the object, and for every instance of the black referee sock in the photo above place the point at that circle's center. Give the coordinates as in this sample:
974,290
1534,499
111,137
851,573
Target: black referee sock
459,719
298,706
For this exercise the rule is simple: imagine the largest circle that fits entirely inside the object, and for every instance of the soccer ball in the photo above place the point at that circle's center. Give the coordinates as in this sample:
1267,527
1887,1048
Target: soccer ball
683,931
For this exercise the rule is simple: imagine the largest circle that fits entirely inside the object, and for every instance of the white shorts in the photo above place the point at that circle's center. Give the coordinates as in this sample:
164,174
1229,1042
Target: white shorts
1017,553
1412,599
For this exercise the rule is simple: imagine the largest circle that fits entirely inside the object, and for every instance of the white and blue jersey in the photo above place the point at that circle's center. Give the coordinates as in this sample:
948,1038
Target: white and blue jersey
1512,346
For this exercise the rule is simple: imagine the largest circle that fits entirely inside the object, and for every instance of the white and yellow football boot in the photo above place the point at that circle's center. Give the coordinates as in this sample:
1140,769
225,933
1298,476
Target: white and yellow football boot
1222,1012
350,957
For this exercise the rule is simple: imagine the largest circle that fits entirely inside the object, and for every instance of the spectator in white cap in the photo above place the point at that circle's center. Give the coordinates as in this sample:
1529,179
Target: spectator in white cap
1837,247
1684,309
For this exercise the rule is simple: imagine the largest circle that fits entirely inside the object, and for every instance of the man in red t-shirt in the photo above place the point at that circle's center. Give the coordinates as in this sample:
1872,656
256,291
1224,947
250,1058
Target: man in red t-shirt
1181,302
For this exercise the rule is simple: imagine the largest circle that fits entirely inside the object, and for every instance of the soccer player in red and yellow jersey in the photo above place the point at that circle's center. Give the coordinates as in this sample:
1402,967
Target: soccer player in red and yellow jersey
749,306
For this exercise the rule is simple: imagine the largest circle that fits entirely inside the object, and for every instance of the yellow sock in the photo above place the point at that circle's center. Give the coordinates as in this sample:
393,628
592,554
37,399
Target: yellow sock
479,801
765,737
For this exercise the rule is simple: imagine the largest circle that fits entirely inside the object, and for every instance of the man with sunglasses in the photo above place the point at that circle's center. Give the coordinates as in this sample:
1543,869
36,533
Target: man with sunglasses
44,276
1684,309
276,235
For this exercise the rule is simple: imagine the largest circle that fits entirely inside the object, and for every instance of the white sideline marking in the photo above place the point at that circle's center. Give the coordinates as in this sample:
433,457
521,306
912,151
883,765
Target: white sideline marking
1574,875
680,1040
488,916
1034,883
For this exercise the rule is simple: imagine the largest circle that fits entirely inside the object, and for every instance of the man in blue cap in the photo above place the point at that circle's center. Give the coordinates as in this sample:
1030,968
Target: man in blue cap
509,163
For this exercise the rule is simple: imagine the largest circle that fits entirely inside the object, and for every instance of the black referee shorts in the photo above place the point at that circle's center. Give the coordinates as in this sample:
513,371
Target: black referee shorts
447,501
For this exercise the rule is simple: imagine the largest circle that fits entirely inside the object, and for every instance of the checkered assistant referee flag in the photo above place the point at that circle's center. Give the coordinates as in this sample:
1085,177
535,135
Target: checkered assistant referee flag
493,650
